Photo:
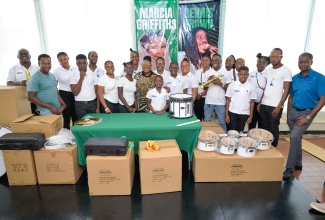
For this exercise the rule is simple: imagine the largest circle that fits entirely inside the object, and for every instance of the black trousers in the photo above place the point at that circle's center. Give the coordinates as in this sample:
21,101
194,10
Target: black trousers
70,112
112,106
85,107
199,108
269,123
237,121
123,109
256,118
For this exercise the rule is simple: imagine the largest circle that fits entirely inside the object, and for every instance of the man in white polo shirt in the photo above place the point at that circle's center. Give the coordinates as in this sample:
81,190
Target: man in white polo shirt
21,72
84,87
278,80
92,67
215,99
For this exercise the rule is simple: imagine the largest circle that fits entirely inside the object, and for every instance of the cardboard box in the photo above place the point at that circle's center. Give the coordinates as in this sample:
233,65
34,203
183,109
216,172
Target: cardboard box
214,167
14,103
160,171
110,175
57,166
20,166
49,125
212,126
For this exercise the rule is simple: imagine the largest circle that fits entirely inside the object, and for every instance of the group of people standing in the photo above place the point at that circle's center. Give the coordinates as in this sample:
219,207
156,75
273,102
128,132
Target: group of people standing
236,95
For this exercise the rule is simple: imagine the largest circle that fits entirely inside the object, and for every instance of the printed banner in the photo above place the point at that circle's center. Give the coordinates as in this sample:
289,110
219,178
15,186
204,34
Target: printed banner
156,30
198,31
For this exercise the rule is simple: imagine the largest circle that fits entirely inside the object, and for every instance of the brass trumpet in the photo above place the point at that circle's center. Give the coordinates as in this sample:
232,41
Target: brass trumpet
210,81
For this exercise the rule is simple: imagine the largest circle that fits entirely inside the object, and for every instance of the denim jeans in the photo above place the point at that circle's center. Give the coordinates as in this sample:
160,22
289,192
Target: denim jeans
45,111
220,111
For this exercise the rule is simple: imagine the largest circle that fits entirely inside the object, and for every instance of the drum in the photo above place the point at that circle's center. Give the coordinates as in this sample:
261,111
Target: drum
227,145
3,130
181,105
263,137
208,141
234,135
247,147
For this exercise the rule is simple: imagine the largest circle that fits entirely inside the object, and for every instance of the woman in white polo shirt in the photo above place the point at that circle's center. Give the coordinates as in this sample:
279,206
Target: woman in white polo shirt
62,75
126,91
107,90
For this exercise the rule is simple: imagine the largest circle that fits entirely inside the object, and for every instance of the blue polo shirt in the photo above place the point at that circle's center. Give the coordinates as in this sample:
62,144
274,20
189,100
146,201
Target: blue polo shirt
46,88
306,91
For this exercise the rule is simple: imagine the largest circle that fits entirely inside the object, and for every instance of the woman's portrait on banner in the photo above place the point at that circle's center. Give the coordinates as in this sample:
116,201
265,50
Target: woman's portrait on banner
155,45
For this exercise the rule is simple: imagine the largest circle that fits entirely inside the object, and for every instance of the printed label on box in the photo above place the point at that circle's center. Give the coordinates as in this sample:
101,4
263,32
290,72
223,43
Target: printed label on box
54,168
106,178
158,175
237,170
19,167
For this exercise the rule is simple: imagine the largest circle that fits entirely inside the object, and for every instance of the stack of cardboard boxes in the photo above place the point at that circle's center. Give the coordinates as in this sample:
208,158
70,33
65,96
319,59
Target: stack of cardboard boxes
160,171
215,167
26,167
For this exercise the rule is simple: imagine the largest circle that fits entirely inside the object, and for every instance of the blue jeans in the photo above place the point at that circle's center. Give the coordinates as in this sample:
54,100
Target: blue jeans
45,111
220,111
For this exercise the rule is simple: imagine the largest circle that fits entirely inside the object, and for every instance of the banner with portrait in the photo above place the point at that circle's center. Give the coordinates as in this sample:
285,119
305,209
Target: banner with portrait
198,31
156,29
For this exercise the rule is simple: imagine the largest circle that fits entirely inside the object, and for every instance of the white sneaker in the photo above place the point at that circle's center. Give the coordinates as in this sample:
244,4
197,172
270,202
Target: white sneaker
318,206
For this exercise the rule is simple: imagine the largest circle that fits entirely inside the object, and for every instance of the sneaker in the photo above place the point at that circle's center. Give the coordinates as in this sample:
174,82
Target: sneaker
318,206
288,174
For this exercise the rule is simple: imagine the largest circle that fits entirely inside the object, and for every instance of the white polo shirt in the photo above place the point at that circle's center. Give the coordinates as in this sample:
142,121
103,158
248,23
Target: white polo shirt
230,74
87,91
191,81
176,85
123,73
241,95
98,71
110,88
158,100
202,77
259,81
17,73
63,77
274,85
216,94
165,74
129,89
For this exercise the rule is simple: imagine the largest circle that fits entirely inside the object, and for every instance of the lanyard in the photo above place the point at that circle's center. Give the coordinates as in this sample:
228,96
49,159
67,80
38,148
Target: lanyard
257,82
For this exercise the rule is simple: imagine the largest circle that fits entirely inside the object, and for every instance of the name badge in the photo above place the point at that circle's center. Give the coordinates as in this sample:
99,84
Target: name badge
19,73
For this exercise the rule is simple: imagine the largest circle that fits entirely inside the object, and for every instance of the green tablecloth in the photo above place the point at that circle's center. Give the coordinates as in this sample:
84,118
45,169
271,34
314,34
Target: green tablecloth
138,127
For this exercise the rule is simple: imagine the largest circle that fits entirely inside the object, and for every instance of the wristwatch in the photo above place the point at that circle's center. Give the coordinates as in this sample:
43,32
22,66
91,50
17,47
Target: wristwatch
308,117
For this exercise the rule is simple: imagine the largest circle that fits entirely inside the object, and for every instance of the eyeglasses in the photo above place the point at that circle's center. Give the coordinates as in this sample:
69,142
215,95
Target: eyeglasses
160,63
145,65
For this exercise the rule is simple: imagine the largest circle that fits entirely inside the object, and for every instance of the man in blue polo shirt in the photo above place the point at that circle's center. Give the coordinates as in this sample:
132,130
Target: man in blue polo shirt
42,89
307,98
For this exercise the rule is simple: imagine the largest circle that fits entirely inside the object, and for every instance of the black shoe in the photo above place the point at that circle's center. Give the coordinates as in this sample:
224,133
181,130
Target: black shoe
298,167
288,174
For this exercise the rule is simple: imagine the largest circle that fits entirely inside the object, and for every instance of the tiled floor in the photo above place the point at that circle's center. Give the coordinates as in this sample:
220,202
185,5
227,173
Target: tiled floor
312,176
